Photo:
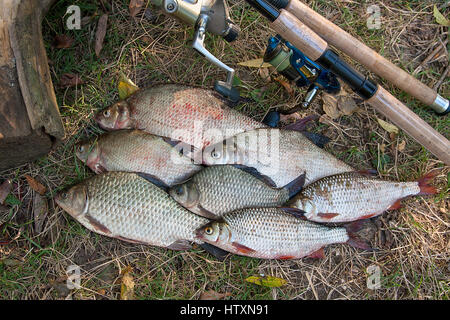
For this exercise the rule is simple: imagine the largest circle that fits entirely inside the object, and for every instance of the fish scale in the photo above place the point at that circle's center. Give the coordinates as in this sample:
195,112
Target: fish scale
270,233
282,155
126,206
136,151
352,196
164,110
217,190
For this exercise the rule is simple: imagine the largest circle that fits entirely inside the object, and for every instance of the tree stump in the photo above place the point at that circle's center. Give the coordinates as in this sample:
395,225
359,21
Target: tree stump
30,123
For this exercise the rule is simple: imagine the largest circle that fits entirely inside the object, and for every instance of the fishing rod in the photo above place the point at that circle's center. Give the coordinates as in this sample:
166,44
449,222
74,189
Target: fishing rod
317,51
357,50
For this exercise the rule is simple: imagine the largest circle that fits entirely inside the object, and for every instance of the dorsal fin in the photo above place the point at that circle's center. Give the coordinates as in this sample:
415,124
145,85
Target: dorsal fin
254,172
296,185
318,139
297,213
154,180
301,124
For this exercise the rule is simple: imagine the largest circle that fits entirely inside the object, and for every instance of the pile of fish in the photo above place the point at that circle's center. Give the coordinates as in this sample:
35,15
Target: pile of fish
179,166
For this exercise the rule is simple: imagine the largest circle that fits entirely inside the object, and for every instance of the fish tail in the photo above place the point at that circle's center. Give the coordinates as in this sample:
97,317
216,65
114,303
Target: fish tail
354,239
424,183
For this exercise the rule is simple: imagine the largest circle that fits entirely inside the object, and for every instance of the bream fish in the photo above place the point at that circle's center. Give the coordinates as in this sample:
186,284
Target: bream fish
136,151
355,195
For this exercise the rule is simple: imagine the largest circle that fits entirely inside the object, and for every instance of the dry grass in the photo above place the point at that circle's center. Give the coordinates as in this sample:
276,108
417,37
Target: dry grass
413,242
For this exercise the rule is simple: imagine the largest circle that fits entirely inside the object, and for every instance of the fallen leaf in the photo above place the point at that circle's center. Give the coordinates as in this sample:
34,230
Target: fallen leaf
36,185
383,148
135,7
40,210
127,286
387,126
266,281
264,74
70,80
330,106
285,84
126,87
5,189
347,105
101,291
255,63
63,41
401,146
100,33
440,17
213,295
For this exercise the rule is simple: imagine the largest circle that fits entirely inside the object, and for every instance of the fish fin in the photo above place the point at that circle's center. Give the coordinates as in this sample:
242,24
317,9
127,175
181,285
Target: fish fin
328,215
295,186
254,172
154,180
215,251
397,205
369,172
241,248
180,245
319,140
272,119
297,213
207,214
97,225
319,254
369,216
285,257
129,240
425,187
355,240
300,125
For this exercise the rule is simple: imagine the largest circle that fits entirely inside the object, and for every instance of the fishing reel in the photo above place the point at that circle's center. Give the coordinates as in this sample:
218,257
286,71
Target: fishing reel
207,16
297,67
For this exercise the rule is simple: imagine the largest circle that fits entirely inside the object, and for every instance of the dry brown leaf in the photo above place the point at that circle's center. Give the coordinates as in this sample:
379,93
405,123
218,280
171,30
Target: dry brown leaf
36,185
135,7
387,126
264,74
213,295
69,80
40,210
285,84
5,189
401,146
255,63
63,41
347,104
127,286
330,106
100,33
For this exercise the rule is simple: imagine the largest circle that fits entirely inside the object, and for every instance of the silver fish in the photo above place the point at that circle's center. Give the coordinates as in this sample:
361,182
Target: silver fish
355,195
272,233
128,207
136,151
282,155
217,190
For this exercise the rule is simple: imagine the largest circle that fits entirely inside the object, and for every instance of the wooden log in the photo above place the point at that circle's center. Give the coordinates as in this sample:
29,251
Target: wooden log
30,122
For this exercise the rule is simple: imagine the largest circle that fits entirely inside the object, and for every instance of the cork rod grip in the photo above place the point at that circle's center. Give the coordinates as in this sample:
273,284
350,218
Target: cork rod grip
297,33
411,123
360,52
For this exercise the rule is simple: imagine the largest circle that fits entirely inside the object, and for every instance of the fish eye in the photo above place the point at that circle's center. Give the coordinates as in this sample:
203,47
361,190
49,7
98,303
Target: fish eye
81,148
215,154
179,191
106,113
64,195
209,231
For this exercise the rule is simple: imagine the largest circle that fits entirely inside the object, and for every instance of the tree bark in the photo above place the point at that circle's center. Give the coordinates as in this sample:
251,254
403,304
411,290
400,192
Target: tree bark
30,122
